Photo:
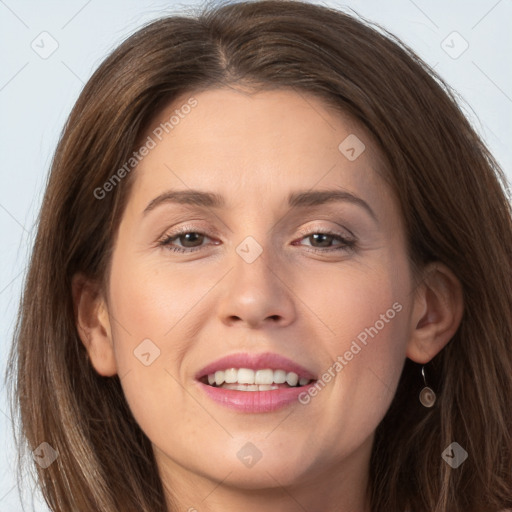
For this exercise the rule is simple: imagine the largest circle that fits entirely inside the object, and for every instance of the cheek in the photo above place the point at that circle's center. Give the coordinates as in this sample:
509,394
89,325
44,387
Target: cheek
367,314
151,324
151,301
358,303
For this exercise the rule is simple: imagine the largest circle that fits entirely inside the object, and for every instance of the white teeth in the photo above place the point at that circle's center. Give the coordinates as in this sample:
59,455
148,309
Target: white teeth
279,376
245,376
250,387
219,378
264,377
231,375
250,380
292,379
265,387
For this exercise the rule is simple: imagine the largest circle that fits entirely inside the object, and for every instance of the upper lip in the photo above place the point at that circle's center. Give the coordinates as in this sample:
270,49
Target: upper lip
256,362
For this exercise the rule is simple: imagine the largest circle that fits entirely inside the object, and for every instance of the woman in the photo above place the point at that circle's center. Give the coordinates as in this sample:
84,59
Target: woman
272,272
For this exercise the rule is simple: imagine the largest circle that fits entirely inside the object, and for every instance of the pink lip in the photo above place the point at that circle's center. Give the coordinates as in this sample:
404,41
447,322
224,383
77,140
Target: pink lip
256,362
255,401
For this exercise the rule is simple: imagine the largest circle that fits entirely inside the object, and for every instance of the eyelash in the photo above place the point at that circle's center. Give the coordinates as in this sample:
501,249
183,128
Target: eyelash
347,244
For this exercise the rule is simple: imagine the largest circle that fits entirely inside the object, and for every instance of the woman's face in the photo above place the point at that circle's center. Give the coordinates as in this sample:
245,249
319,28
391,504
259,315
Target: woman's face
294,264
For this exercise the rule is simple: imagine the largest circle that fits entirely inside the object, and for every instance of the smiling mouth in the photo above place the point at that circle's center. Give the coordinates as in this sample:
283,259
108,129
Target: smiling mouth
245,379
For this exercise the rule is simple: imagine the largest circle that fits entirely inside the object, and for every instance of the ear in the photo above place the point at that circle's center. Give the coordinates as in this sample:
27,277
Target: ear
437,313
93,324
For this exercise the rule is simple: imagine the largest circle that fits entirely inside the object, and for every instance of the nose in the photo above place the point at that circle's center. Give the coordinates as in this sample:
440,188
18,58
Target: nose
257,293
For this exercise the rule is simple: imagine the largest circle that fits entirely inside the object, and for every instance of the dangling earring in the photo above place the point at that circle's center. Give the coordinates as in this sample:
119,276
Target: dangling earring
427,395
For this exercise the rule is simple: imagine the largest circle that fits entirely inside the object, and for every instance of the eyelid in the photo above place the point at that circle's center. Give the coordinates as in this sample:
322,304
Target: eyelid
214,232
327,230
188,227
348,241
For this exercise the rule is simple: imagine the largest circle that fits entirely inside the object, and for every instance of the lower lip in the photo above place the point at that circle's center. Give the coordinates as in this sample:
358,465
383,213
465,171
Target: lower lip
255,401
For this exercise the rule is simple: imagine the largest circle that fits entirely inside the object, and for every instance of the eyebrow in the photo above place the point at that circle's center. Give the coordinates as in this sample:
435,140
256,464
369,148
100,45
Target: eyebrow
296,200
193,197
320,197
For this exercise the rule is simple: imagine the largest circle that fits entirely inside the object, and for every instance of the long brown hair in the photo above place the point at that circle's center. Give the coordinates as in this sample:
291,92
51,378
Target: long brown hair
453,199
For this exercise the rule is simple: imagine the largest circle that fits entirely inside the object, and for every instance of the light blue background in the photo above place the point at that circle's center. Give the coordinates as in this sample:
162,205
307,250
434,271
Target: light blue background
36,96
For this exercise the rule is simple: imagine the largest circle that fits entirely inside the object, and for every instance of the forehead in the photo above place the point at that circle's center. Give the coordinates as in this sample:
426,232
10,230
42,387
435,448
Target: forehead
244,145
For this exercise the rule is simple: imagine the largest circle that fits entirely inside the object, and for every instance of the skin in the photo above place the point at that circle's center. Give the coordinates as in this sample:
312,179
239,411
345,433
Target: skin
254,149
